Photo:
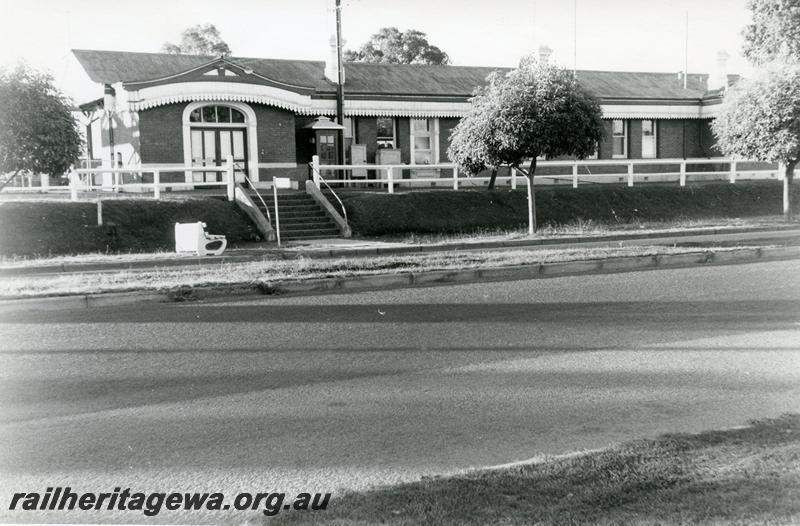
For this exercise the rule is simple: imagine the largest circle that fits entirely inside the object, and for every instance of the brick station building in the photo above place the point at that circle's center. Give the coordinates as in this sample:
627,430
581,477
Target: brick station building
273,115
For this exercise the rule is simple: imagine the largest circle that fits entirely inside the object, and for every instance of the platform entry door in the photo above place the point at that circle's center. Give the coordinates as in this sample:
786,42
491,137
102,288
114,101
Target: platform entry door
211,147
327,147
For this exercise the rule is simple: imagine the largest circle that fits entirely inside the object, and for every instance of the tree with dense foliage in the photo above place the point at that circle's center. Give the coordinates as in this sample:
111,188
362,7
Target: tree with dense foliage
202,39
760,119
392,46
774,32
533,111
38,133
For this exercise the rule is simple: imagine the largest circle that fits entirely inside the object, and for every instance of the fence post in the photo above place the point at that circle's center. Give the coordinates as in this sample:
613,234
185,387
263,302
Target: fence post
455,178
156,185
315,169
229,176
575,175
99,212
683,173
73,184
45,182
513,178
733,172
390,179
786,189
630,174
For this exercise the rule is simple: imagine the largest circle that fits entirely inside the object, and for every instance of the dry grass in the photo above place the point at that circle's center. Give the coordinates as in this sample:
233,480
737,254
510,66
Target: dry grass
740,476
269,270
590,228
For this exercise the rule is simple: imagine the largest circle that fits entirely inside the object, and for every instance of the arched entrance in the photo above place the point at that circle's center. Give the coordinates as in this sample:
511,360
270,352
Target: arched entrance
212,132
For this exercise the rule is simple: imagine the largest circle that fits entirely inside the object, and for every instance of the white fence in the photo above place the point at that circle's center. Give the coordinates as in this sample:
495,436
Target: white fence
83,180
391,176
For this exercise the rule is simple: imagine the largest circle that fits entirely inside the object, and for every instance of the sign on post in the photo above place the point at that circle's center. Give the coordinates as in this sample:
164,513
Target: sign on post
279,182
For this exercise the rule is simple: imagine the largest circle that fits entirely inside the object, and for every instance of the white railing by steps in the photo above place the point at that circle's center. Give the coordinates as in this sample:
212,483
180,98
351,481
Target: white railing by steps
253,187
317,177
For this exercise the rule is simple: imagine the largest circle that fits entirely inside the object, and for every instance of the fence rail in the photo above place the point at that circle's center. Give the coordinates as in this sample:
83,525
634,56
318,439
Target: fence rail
680,170
448,175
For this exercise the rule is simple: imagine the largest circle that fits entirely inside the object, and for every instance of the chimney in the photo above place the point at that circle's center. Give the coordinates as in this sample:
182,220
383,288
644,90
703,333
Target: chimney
331,64
544,54
719,78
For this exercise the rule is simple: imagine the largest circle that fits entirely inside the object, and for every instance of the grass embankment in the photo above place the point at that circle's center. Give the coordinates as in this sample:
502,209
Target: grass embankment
426,211
44,228
739,476
268,271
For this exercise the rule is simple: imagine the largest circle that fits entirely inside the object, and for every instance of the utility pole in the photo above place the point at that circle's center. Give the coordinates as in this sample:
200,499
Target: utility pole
340,84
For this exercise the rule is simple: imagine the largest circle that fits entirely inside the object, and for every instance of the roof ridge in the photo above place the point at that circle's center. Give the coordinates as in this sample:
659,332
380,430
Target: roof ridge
210,57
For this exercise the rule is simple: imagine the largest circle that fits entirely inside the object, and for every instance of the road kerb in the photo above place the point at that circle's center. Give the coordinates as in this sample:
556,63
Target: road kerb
407,279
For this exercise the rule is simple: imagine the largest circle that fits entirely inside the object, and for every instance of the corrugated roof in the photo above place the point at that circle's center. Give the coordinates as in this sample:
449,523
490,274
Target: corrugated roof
381,79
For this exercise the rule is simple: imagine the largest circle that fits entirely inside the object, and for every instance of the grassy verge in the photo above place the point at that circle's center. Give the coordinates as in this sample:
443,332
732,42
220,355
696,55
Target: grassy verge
269,271
740,476
47,228
589,228
440,211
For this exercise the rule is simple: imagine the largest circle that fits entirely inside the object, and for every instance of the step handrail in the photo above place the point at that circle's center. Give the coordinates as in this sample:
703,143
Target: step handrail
319,175
266,208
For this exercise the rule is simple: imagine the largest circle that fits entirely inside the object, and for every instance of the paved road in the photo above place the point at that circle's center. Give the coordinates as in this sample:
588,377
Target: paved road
346,391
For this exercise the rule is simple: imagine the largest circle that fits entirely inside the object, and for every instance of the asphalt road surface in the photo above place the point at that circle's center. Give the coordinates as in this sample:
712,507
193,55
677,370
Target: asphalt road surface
335,392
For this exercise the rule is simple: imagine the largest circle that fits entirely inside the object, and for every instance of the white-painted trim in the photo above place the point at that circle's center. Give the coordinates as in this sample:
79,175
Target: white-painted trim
304,105
227,92
654,111
277,165
404,108
252,138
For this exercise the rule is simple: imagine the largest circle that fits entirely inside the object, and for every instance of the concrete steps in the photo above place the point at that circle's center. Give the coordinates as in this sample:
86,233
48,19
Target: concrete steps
301,217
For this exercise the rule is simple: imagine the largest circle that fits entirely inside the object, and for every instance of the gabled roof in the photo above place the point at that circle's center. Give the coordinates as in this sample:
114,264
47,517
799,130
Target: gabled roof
384,80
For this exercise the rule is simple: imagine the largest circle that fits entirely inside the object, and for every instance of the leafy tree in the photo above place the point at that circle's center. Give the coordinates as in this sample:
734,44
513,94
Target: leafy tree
391,46
760,119
202,39
774,32
37,130
535,110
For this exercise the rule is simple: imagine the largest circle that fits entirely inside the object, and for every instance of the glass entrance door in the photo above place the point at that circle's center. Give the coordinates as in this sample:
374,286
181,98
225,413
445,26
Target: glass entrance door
211,147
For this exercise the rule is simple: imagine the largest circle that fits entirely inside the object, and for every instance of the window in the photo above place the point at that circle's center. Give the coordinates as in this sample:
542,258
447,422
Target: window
422,141
386,132
619,138
648,139
216,115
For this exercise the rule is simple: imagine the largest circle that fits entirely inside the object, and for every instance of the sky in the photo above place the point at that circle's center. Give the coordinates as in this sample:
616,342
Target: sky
617,35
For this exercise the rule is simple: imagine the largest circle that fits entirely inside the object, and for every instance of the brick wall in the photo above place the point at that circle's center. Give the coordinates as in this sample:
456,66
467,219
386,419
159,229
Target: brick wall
161,134
403,138
445,129
634,139
276,134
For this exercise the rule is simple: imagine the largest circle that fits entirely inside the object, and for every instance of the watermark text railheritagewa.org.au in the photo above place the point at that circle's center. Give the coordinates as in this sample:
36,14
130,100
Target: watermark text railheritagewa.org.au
152,503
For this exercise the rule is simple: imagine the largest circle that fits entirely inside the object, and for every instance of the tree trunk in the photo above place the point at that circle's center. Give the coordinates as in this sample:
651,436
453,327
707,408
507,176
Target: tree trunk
492,179
3,185
532,195
788,177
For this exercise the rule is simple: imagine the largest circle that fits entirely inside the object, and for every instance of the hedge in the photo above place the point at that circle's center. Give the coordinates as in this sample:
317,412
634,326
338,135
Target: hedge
428,211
